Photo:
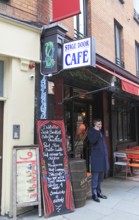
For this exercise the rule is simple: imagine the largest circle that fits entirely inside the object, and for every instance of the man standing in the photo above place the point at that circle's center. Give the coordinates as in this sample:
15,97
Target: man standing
99,159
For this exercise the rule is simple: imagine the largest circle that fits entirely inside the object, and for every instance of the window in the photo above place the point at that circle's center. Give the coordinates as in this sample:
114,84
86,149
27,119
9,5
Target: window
124,119
1,78
80,21
136,11
118,44
4,1
136,5
137,58
122,1
123,131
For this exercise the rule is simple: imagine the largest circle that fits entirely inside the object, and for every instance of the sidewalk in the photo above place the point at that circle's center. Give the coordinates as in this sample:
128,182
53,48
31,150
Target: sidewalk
122,203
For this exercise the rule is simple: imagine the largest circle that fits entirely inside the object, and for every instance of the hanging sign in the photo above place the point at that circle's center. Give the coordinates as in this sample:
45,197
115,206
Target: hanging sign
79,53
55,174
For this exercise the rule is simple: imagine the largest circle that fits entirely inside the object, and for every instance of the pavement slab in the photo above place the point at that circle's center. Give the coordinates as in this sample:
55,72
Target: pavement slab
122,203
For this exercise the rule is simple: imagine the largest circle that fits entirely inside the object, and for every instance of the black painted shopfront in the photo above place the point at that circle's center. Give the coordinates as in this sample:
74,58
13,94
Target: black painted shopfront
82,94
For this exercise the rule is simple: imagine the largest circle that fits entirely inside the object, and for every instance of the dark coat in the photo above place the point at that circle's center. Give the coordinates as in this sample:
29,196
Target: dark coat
99,152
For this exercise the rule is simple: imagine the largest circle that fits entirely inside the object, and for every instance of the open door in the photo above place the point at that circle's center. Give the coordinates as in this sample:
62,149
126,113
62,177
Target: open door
1,142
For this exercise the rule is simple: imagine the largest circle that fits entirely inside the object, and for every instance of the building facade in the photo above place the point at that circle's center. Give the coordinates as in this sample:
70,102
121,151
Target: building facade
82,94
18,55
76,95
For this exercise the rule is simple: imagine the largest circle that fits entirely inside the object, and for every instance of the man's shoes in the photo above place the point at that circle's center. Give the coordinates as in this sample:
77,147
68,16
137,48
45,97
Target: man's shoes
101,196
95,198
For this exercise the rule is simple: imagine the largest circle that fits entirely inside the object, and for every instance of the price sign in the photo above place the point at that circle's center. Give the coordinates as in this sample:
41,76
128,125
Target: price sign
26,181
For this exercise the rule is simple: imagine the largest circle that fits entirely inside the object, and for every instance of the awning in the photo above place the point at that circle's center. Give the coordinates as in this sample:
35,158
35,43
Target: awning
127,85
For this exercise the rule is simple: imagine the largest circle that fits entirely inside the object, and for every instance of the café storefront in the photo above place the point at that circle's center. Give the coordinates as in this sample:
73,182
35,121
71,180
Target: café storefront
78,93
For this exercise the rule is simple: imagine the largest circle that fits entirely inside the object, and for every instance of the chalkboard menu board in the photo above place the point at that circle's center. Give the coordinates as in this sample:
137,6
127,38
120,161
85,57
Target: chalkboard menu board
55,174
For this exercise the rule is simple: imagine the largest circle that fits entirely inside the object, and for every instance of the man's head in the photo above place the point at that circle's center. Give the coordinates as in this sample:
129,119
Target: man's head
98,124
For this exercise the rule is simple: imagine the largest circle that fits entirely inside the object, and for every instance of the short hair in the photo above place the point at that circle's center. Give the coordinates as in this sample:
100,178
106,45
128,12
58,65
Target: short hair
97,120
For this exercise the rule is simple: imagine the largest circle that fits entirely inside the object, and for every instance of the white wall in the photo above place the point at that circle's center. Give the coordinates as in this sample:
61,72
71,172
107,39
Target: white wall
17,42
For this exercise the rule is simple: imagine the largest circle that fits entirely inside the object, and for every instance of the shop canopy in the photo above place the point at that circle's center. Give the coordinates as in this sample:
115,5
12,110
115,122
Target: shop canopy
127,85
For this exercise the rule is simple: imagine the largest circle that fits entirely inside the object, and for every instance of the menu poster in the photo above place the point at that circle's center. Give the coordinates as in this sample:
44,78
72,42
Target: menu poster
55,173
26,176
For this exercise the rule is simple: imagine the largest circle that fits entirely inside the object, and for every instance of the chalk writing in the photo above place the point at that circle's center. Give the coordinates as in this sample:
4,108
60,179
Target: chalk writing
54,171
53,155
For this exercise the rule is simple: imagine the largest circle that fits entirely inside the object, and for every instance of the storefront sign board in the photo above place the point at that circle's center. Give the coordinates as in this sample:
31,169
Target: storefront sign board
79,53
57,193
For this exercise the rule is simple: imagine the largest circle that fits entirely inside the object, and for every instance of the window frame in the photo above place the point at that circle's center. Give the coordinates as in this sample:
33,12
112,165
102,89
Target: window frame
124,121
81,21
1,78
118,29
122,1
137,57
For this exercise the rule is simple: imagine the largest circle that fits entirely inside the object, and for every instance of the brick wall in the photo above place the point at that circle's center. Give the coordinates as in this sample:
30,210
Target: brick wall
45,11
33,10
23,9
101,15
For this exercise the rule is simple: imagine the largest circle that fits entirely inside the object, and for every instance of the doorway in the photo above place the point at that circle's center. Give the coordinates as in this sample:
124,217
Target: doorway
1,147
77,117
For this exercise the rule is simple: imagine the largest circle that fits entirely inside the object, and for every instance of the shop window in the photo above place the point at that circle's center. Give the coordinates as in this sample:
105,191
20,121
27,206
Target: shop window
123,132
137,58
118,44
126,125
1,78
80,21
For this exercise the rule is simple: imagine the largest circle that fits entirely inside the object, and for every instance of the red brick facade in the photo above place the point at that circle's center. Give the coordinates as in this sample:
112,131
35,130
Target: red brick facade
101,15
23,9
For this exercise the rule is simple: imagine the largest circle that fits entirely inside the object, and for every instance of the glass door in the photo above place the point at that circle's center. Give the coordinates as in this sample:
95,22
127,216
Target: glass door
76,124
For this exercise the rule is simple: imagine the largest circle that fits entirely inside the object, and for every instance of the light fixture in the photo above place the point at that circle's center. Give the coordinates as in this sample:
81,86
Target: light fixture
83,114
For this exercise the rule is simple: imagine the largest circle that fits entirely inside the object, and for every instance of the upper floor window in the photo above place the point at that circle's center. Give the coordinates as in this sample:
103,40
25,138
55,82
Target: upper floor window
136,10
118,44
136,5
4,1
122,1
137,58
80,21
1,78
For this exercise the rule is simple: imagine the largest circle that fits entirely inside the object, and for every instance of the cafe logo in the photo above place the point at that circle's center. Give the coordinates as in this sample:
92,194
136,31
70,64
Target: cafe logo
49,54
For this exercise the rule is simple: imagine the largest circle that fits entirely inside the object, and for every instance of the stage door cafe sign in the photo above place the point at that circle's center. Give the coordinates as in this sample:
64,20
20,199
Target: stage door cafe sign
79,53
55,174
